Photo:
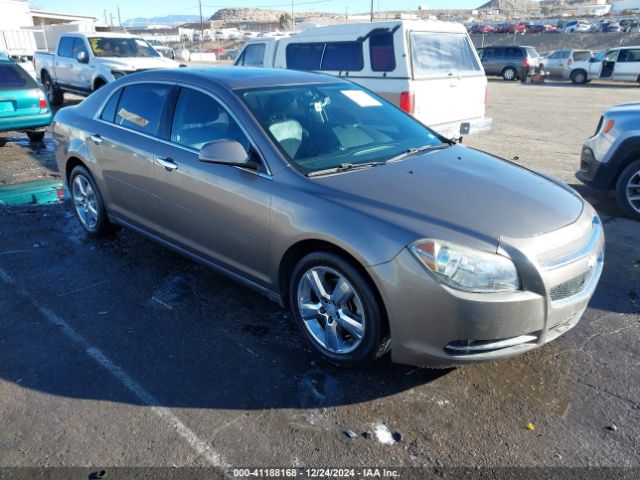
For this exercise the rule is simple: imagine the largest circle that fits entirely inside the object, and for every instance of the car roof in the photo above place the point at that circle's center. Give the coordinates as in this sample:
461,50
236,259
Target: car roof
235,78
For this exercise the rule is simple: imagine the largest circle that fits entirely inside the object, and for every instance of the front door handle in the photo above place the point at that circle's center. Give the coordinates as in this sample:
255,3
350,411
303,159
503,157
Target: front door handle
167,163
96,139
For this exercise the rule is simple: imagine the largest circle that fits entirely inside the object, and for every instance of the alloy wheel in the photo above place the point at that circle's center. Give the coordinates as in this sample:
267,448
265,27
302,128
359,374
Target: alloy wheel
633,191
331,310
85,202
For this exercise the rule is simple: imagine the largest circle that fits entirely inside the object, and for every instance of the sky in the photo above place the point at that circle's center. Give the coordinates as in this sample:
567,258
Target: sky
158,8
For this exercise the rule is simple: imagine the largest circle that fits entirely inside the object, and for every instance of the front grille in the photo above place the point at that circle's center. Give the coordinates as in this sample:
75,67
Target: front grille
572,250
571,287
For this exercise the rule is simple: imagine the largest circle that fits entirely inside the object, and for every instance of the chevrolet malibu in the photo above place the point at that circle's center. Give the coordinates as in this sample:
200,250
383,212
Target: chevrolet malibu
377,233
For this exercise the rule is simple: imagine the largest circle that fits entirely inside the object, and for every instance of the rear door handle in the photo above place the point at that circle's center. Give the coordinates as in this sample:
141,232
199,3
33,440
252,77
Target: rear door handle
96,139
168,163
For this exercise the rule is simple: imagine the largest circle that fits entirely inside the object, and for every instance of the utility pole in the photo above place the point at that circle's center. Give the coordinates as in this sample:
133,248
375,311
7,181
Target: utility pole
371,17
346,14
293,23
201,25
105,17
119,18
111,16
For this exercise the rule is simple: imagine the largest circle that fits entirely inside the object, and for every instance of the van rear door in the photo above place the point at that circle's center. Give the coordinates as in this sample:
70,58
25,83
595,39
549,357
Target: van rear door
448,82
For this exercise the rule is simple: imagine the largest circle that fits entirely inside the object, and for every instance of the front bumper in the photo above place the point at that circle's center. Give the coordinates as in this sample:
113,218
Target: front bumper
435,326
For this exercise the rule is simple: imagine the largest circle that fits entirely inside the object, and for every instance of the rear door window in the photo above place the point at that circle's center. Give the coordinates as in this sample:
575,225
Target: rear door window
581,56
65,49
629,56
14,77
140,107
438,54
514,52
381,52
109,110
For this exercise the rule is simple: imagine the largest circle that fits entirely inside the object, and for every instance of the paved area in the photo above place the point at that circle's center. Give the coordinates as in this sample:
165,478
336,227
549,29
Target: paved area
120,353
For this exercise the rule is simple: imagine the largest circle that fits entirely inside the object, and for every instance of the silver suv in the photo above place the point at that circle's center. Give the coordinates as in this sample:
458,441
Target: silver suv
610,158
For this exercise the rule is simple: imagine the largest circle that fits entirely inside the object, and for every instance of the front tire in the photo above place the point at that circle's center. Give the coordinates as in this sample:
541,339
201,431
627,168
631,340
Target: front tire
509,74
88,204
337,310
628,190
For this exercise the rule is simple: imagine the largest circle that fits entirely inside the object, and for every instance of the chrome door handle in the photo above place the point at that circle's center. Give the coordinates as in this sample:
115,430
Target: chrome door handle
167,163
96,139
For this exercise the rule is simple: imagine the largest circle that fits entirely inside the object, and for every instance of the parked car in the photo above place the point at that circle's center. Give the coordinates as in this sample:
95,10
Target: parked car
633,27
162,49
608,26
577,26
428,68
559,64
536,28
618,64
85,62
228,54
311,190
510,28
610,159
23,104
482,29
24,61
509,63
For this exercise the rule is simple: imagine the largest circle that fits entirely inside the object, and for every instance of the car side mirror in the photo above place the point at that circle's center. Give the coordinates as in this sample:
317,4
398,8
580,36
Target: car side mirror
227,152
82,57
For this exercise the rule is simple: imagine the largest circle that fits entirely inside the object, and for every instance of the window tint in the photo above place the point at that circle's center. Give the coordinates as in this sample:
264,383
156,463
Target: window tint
65,49
382,53
629,56
304,56
514,52
438,54
253,55
13,76
611,56
343,56
140,107
109,111
199,119
581,56
79,46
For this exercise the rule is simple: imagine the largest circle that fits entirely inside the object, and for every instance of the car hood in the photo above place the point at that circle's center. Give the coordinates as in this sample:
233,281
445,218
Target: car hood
460,190
142,63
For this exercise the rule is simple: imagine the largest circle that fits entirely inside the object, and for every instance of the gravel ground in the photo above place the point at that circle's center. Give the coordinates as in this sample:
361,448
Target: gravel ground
118,352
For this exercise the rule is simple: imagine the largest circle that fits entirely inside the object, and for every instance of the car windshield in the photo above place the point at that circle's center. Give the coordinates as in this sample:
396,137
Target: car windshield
14,77
319,127
121,47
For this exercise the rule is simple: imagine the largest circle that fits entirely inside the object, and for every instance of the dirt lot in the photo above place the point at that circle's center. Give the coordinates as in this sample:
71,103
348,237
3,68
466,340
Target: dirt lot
120,353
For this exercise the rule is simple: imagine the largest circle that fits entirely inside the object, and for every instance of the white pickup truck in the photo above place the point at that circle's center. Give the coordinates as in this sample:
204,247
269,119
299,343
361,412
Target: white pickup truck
83,62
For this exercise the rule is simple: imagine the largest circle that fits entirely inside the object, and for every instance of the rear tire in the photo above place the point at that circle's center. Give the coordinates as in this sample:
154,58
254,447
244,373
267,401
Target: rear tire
579,77
54,94
35,136
343,319
88,204
509,74
628,190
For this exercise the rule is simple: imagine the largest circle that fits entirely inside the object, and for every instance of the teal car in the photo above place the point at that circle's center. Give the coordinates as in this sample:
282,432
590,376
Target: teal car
23,104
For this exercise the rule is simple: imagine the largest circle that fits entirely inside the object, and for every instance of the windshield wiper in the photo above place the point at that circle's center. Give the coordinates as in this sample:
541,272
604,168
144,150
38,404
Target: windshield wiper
343,167
413,151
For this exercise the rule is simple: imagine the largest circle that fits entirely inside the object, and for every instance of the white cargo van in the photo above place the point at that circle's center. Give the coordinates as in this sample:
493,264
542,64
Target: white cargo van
428,68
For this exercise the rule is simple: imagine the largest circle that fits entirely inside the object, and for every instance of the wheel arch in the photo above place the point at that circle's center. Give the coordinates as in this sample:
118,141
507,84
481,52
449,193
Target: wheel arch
627,153
98,81
304,247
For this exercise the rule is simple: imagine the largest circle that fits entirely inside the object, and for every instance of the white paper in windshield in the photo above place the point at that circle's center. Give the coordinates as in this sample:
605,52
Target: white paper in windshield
363,99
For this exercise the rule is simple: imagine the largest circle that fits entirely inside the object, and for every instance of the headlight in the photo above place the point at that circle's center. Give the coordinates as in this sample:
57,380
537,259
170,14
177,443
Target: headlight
465,268
117,74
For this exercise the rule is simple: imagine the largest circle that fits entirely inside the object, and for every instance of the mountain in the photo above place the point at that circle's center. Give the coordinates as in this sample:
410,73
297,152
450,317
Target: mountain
511,5
172,20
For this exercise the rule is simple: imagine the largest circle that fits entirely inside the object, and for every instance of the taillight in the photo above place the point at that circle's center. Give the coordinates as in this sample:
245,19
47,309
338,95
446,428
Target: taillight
406,101
43,100
525,63
570,61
